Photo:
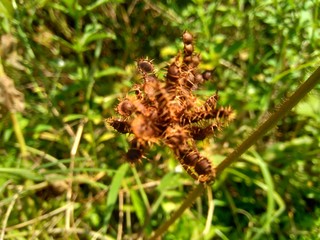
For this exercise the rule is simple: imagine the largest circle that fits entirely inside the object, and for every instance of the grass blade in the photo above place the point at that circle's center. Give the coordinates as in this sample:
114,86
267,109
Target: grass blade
113,192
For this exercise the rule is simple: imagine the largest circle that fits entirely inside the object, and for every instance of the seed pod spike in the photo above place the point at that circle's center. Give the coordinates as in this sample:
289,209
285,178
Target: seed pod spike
145,66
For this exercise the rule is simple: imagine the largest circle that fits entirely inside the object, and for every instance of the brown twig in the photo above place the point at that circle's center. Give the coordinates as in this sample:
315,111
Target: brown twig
279,113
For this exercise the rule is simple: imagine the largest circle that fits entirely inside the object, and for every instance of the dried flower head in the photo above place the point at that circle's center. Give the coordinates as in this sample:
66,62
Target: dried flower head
168,112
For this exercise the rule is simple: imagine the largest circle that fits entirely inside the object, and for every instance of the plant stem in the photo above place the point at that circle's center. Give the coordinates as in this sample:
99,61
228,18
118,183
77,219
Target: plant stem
279,113
19,134
196,192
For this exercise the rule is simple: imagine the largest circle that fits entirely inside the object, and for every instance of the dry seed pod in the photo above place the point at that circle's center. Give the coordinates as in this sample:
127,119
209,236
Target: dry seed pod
198,78
145,66
187,60
207,75
203,166
173,72
143,128
176,136
188,157
195,60
125,108
198,167
189,81
200,133
122,126
136,151
188,49
187,38
151,87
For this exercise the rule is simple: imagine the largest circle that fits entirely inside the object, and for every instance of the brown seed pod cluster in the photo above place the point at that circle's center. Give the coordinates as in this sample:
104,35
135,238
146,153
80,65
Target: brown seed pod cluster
168,112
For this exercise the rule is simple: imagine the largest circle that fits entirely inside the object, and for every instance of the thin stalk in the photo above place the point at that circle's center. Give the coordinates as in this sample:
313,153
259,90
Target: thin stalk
196,192
279,113
69,217
19,134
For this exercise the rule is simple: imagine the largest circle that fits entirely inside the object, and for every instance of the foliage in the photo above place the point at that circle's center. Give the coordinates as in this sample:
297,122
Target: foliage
72,60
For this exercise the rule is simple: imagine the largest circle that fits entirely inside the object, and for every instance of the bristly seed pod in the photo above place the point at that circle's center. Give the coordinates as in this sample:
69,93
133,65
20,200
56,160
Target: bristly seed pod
207,75
167,111
198,78
151,87
143,128
198,167
121,126
187,59
173,72
125,108
187,38
145,66
136,151
200,133
188,49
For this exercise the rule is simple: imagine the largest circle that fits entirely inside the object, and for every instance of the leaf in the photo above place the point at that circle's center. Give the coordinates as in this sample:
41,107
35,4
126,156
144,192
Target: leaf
22,173
42,127
292,70
138,206
169,181
91,37
105,137
234,48
309,107
73,117
93,32
113,191
110,71
6,8
98,3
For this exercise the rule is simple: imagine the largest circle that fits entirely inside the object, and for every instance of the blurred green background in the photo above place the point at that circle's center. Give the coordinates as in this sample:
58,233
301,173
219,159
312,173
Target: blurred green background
72,60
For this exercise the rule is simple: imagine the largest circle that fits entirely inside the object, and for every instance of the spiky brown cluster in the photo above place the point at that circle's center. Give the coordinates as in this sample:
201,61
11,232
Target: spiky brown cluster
168,112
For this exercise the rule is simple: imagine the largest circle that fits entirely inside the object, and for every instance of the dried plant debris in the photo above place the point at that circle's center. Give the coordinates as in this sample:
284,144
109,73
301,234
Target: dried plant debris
10,97
168,112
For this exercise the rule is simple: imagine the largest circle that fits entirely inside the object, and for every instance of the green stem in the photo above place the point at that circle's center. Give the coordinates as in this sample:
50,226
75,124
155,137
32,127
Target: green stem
19,134
279,113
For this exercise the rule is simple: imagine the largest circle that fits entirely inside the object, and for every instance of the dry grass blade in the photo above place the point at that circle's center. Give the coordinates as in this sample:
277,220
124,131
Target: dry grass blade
9,209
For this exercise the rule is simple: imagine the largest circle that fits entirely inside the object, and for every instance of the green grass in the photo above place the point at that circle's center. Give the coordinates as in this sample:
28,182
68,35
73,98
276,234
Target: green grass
72,60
